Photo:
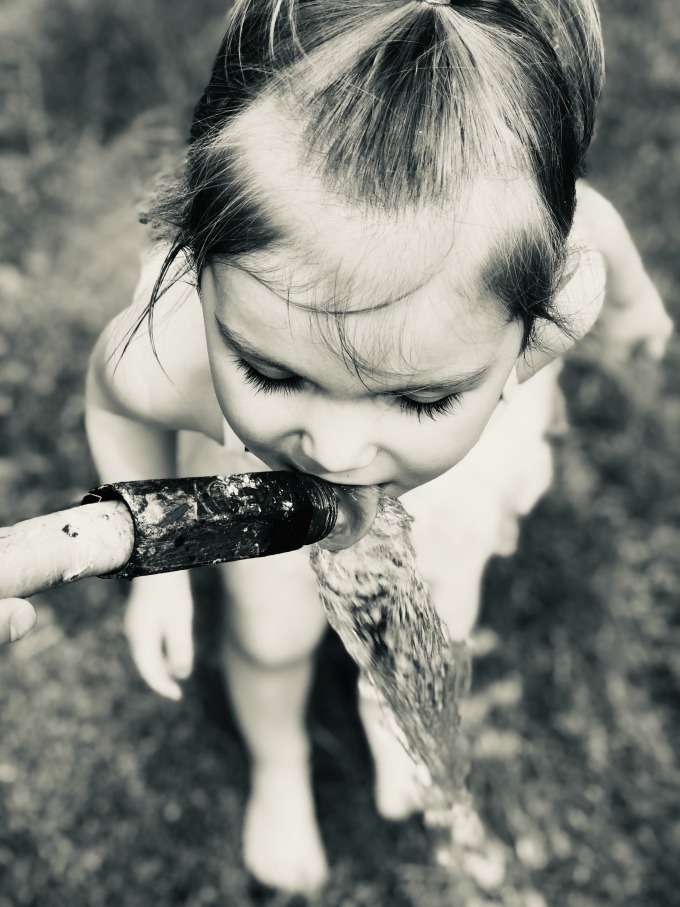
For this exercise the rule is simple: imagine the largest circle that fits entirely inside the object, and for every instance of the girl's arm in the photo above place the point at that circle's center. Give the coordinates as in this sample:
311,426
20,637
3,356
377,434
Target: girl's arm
633,314
141,389
610,294
128,444
125,442
135,404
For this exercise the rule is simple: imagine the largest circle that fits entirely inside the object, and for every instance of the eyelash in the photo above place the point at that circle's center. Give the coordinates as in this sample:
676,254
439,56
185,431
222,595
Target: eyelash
442,407
267,385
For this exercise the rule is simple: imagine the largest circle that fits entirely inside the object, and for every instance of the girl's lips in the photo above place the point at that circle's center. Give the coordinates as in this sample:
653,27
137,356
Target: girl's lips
390,487
288,464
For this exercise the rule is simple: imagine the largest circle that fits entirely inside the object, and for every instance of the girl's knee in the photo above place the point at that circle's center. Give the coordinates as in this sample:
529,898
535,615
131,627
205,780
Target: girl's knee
271,646
274,615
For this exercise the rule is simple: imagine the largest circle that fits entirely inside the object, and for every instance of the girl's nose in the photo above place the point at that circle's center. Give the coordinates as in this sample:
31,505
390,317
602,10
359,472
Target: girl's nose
336,446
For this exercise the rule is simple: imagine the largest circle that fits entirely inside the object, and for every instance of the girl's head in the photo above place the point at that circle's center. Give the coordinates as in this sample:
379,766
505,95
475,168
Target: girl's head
377,203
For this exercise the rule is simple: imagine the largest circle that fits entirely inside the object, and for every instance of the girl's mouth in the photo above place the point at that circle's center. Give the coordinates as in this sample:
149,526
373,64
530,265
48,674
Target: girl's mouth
357,509
335,480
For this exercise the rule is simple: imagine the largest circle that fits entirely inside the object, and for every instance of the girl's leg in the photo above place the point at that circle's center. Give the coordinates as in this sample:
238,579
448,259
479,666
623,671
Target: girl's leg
273,624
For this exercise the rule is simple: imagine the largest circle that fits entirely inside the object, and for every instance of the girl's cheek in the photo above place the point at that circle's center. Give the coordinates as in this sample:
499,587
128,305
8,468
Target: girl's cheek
438,445
261,416
420,448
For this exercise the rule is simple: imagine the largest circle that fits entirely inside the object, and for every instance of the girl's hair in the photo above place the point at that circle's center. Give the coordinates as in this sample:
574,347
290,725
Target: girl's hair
403,103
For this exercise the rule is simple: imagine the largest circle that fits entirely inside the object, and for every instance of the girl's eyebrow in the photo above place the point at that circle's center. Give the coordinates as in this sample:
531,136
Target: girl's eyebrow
455,384
239,345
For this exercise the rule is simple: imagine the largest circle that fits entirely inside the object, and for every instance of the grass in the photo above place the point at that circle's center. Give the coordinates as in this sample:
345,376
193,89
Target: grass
110,795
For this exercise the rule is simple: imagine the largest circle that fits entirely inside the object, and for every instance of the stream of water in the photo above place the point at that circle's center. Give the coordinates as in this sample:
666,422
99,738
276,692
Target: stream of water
378,604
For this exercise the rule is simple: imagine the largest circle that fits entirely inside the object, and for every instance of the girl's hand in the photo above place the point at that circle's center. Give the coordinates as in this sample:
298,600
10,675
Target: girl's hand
640,324
158,625
17,617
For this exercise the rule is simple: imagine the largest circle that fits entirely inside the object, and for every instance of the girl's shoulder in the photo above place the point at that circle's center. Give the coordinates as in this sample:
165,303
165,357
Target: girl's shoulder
595,216
158,371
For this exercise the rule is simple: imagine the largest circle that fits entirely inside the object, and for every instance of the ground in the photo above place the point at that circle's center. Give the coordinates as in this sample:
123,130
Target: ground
109,794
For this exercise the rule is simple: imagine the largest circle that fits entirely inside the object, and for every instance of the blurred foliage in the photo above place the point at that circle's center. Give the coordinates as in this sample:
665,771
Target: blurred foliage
109,795
98,99
87,66
77,75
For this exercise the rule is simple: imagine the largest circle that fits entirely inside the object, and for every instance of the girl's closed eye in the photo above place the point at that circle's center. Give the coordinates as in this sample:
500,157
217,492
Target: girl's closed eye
267,384
432,408
288,384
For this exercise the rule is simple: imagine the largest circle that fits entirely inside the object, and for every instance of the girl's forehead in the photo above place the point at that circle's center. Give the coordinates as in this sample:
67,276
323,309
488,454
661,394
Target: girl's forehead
428,335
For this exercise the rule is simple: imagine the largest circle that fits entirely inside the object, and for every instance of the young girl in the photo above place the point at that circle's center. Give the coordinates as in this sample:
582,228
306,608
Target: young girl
377,239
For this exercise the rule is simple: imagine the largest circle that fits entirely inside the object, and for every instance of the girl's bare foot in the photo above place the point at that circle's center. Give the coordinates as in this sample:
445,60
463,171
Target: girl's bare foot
398,791
282,844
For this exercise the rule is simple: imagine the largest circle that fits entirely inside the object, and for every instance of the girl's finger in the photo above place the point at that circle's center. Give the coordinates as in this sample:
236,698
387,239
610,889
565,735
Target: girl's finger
151,663
179,646
17,617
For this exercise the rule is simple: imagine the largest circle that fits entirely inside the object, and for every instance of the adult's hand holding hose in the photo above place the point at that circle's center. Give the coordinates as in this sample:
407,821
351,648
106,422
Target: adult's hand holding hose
17,617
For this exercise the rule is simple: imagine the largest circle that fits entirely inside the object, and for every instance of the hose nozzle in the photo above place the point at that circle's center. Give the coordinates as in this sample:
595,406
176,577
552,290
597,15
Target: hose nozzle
357,507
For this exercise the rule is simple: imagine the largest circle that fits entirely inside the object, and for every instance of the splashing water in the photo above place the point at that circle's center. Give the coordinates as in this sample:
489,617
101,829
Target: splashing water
379,606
